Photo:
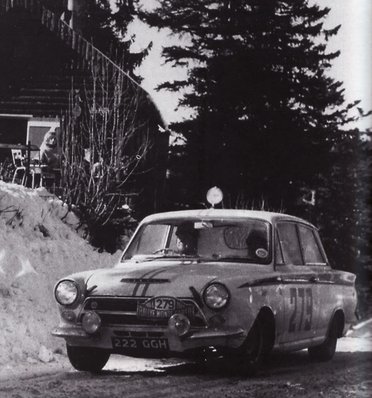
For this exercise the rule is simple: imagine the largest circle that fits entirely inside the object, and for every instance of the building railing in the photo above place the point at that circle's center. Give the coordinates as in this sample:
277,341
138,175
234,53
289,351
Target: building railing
87,51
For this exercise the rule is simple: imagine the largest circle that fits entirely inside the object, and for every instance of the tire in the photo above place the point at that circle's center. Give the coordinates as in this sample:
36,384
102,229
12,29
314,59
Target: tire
87,358
254,350
326,350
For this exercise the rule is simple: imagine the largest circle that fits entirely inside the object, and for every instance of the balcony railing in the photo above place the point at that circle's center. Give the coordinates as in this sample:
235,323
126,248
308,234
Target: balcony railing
87,51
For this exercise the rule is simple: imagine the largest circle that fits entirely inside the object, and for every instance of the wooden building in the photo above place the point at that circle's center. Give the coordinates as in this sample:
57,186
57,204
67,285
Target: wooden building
46,71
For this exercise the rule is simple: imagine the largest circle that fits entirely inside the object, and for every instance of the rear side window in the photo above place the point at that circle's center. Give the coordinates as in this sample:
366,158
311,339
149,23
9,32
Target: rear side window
290,245
310,247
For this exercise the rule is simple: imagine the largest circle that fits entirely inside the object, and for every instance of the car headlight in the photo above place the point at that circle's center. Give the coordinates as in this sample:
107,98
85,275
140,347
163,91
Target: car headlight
216,296
66,292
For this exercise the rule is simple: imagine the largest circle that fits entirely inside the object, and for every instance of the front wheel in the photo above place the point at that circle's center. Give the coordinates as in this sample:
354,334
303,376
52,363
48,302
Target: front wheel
87,358
254,350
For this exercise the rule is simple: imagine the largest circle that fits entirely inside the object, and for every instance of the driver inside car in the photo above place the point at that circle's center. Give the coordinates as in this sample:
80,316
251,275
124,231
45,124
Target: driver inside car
187,239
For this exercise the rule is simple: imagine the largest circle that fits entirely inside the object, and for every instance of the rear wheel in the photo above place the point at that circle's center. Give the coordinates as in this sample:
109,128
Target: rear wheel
326,350
87,358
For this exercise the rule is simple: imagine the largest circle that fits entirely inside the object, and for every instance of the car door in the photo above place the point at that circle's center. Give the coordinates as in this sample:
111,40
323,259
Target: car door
315,258
299,288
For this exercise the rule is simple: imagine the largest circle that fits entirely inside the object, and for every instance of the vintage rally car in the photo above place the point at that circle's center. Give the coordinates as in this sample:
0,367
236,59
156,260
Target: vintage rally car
238,282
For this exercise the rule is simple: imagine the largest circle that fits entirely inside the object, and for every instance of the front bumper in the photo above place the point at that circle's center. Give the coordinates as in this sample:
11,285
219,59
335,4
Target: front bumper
226,337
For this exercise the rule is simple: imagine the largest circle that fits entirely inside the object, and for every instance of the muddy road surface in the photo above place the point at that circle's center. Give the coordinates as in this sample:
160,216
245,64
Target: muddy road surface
349,374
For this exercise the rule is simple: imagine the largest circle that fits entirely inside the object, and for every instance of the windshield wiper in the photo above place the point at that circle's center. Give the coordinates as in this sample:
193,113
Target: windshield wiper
166,251
169,255
157,255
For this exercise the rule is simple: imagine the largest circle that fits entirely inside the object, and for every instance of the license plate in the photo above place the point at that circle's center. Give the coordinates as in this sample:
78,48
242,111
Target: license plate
128,343
163,308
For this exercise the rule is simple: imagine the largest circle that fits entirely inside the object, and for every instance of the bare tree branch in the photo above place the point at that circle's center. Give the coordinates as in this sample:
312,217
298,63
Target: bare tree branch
105,143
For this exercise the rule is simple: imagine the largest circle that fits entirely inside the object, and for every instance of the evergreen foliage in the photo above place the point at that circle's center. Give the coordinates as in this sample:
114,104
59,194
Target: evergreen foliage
268,118
343,210
107,27
266,110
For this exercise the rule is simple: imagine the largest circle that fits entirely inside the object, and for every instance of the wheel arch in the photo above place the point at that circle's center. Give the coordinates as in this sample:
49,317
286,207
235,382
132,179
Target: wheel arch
338,319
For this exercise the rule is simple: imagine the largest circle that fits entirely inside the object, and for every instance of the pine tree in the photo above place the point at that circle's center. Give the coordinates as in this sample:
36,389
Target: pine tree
106,24
266,111
343,210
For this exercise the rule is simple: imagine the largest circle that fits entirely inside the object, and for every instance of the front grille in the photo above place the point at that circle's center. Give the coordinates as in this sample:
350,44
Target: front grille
117,319
114,304
123,311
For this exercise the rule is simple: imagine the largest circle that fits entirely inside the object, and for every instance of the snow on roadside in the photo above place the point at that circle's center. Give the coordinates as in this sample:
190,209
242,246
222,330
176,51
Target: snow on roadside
38,245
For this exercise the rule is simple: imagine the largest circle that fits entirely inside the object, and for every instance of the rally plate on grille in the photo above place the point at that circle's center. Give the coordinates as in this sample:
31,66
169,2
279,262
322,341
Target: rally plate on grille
163,308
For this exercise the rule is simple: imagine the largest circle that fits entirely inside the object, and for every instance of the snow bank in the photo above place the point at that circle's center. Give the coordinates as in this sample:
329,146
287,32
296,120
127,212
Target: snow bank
38,245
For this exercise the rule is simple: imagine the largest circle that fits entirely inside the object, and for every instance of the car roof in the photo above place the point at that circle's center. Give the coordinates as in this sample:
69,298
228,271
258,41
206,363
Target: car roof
210,214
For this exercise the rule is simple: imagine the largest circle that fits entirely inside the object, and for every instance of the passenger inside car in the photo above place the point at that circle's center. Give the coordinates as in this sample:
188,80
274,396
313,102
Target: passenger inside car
257,244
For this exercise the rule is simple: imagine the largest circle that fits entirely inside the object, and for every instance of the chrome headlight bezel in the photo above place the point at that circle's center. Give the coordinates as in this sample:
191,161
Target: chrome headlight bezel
70,295
216,296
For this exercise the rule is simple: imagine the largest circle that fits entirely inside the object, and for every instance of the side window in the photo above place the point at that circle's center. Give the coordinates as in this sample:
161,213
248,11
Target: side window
309,245
289,243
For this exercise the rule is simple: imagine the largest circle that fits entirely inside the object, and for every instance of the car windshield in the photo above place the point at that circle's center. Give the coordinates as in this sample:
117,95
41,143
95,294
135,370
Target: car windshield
223,239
